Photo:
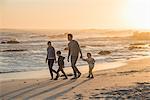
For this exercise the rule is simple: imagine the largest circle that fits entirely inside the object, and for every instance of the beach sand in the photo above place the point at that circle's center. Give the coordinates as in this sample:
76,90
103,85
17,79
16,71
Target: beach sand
129,80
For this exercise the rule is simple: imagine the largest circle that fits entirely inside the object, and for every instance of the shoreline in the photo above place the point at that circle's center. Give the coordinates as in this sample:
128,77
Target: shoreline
44,73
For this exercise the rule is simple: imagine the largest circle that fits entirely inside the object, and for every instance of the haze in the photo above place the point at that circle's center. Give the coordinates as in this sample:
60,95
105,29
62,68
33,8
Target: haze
74,14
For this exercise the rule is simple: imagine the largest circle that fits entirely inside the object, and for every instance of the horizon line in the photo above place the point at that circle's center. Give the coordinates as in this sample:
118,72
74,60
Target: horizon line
74,29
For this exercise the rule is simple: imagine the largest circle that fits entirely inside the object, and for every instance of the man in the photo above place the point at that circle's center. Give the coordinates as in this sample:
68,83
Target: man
74,50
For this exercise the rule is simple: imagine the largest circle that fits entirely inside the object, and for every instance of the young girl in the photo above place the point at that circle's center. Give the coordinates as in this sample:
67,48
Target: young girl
91,62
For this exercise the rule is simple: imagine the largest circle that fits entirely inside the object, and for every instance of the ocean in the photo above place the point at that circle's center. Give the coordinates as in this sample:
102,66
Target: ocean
106,46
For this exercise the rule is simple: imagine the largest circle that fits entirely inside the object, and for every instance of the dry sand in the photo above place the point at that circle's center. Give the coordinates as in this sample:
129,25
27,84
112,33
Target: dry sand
130,81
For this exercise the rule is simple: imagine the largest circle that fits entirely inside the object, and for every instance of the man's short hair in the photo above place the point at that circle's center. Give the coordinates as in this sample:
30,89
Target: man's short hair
70,35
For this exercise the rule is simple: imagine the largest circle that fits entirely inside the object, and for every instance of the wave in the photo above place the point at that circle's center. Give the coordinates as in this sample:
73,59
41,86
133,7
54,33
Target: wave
141,35
63,35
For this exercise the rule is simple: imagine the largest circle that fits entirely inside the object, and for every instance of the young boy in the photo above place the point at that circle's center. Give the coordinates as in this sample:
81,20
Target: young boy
50,58
61,65
91,62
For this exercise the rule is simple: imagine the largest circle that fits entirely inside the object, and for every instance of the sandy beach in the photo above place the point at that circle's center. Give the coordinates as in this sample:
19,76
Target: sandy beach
129,80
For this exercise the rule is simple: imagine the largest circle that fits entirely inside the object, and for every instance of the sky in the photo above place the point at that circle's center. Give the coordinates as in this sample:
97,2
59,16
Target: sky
74,14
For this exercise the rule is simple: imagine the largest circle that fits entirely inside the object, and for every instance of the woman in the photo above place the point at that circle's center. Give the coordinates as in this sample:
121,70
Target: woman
51,58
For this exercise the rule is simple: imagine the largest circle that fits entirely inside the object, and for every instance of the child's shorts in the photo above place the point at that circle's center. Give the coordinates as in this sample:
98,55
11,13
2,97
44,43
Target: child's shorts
91,65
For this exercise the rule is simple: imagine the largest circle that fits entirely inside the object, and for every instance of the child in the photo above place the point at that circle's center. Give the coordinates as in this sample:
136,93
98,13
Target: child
91,62
61,65
51,58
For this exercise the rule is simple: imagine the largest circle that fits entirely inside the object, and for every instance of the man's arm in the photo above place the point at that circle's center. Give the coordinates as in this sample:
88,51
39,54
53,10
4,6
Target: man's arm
79,50
80,53
68,55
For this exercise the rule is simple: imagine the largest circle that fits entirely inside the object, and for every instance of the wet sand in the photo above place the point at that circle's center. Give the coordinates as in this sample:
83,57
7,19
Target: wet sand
130,81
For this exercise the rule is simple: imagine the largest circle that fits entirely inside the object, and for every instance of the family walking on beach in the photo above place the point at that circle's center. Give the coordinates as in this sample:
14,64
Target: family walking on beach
73,54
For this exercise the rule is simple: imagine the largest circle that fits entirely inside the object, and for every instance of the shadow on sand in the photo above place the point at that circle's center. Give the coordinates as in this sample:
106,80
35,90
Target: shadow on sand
53,97
27,89
20,92
52,88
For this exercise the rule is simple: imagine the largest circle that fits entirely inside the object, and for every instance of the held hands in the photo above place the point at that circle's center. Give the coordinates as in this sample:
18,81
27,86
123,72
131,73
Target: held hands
56,61
83,59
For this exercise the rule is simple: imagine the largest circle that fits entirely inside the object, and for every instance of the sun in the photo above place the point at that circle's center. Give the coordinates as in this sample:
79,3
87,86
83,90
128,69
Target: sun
137,13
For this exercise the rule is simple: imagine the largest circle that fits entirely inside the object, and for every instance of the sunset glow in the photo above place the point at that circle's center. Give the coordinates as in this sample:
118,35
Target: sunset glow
138,13
75,14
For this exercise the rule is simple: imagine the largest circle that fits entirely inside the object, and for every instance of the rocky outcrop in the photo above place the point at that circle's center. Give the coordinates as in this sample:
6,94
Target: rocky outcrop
141,35
104,52
134,47
14,50
10,42
137,46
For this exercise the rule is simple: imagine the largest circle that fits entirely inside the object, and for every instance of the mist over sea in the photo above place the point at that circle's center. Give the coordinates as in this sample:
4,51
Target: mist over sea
105,45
